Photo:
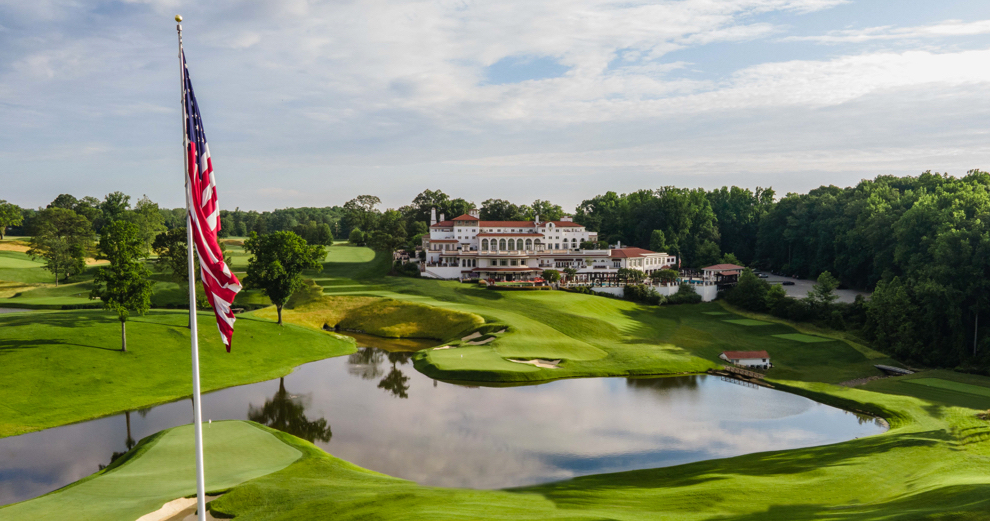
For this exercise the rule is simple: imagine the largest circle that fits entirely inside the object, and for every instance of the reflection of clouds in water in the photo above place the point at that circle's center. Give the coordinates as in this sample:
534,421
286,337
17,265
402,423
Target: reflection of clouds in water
451,435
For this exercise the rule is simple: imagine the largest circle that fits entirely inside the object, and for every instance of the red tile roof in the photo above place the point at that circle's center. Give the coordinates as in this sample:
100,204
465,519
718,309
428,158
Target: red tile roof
738,355
443,224
506,224
723,267
626,253
466,217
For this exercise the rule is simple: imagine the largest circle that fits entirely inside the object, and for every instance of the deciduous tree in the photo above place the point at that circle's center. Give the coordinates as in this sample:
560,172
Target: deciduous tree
277,262
10,215
62,238
123,286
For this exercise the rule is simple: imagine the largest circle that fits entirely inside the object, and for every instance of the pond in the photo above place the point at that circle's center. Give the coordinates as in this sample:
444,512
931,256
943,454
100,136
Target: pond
373,409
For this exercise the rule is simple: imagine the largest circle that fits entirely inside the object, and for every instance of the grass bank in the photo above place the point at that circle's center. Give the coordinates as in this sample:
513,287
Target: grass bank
162,468
65,366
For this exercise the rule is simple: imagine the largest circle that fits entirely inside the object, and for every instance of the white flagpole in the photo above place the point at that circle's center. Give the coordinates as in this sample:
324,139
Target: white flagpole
193,333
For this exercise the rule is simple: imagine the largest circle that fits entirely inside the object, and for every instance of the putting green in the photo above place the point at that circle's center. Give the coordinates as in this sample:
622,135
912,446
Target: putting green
958,387
748,322
806,339
163,470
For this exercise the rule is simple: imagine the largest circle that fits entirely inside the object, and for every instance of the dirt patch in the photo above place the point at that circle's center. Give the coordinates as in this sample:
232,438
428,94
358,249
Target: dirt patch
17,246
538,362
472,336
482,342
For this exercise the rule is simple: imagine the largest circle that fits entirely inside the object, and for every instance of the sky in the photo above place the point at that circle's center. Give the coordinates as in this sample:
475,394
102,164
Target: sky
310,103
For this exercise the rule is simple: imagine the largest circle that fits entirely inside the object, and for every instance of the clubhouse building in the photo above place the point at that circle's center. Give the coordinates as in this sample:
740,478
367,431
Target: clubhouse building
466,248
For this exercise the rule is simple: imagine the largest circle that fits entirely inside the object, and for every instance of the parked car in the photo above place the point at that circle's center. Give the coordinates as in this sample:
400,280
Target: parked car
762,275
787,283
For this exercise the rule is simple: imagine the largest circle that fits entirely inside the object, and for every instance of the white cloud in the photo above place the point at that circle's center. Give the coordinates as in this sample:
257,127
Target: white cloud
940,30
390,92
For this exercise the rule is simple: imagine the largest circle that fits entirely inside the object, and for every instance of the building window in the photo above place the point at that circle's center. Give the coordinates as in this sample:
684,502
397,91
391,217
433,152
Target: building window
529,244
514,262
501,244
512,244
503,262
484,245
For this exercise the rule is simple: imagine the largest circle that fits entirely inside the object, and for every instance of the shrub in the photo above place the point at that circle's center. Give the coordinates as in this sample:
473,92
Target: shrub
644,294
409,269
686,294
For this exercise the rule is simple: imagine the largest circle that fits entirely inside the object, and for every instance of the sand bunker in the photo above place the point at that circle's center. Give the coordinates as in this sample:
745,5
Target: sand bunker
443,347
545,364
177,510
472,336
500,331
482,342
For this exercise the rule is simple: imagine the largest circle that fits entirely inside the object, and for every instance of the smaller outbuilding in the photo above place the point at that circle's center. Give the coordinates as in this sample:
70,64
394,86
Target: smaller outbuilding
747,358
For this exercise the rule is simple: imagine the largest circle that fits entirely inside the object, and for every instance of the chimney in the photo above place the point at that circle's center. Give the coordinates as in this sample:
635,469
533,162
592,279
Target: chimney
433,216
473,212
442,218
618,245
537,221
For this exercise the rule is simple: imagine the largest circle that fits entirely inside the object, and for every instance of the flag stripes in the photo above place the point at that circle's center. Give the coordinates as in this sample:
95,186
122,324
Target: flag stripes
204,215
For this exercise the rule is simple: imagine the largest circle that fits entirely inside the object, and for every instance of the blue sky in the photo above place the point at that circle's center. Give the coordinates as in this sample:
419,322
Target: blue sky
312,103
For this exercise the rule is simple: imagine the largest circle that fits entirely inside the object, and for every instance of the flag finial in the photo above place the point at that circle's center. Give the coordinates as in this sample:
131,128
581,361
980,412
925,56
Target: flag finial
178,18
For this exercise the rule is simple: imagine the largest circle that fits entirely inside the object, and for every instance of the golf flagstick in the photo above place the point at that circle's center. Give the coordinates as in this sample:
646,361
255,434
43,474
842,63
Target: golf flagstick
193,333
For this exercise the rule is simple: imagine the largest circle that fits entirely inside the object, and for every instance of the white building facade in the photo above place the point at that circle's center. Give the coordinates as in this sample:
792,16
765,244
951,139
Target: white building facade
468,248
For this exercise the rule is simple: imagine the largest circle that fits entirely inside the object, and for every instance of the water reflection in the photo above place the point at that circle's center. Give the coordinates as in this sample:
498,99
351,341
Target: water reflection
367,361
390,418
287,412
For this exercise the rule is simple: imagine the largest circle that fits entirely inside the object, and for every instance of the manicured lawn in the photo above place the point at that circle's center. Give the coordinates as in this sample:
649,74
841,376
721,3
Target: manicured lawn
958,387
65,366
932,464
160,469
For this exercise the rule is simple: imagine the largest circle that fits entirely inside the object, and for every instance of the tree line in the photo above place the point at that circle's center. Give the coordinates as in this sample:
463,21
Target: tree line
919,242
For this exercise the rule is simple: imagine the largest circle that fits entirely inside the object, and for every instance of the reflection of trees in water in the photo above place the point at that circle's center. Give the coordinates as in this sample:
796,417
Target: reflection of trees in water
128,442
286,413
366,363
662,385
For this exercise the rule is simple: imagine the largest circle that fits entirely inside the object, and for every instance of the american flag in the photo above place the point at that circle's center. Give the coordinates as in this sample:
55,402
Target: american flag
204,214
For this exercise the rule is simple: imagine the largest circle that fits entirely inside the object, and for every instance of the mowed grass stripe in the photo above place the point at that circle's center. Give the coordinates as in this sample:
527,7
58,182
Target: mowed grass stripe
748,322
801,337
958,387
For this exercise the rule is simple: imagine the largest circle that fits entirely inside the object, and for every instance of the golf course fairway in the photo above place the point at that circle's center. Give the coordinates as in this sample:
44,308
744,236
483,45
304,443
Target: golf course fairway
933,462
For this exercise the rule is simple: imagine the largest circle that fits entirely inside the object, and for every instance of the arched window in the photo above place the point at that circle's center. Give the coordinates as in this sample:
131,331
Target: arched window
501,244
484,244
529,244
512,244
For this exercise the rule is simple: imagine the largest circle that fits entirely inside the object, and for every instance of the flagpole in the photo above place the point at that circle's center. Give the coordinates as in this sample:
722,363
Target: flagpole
193,332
